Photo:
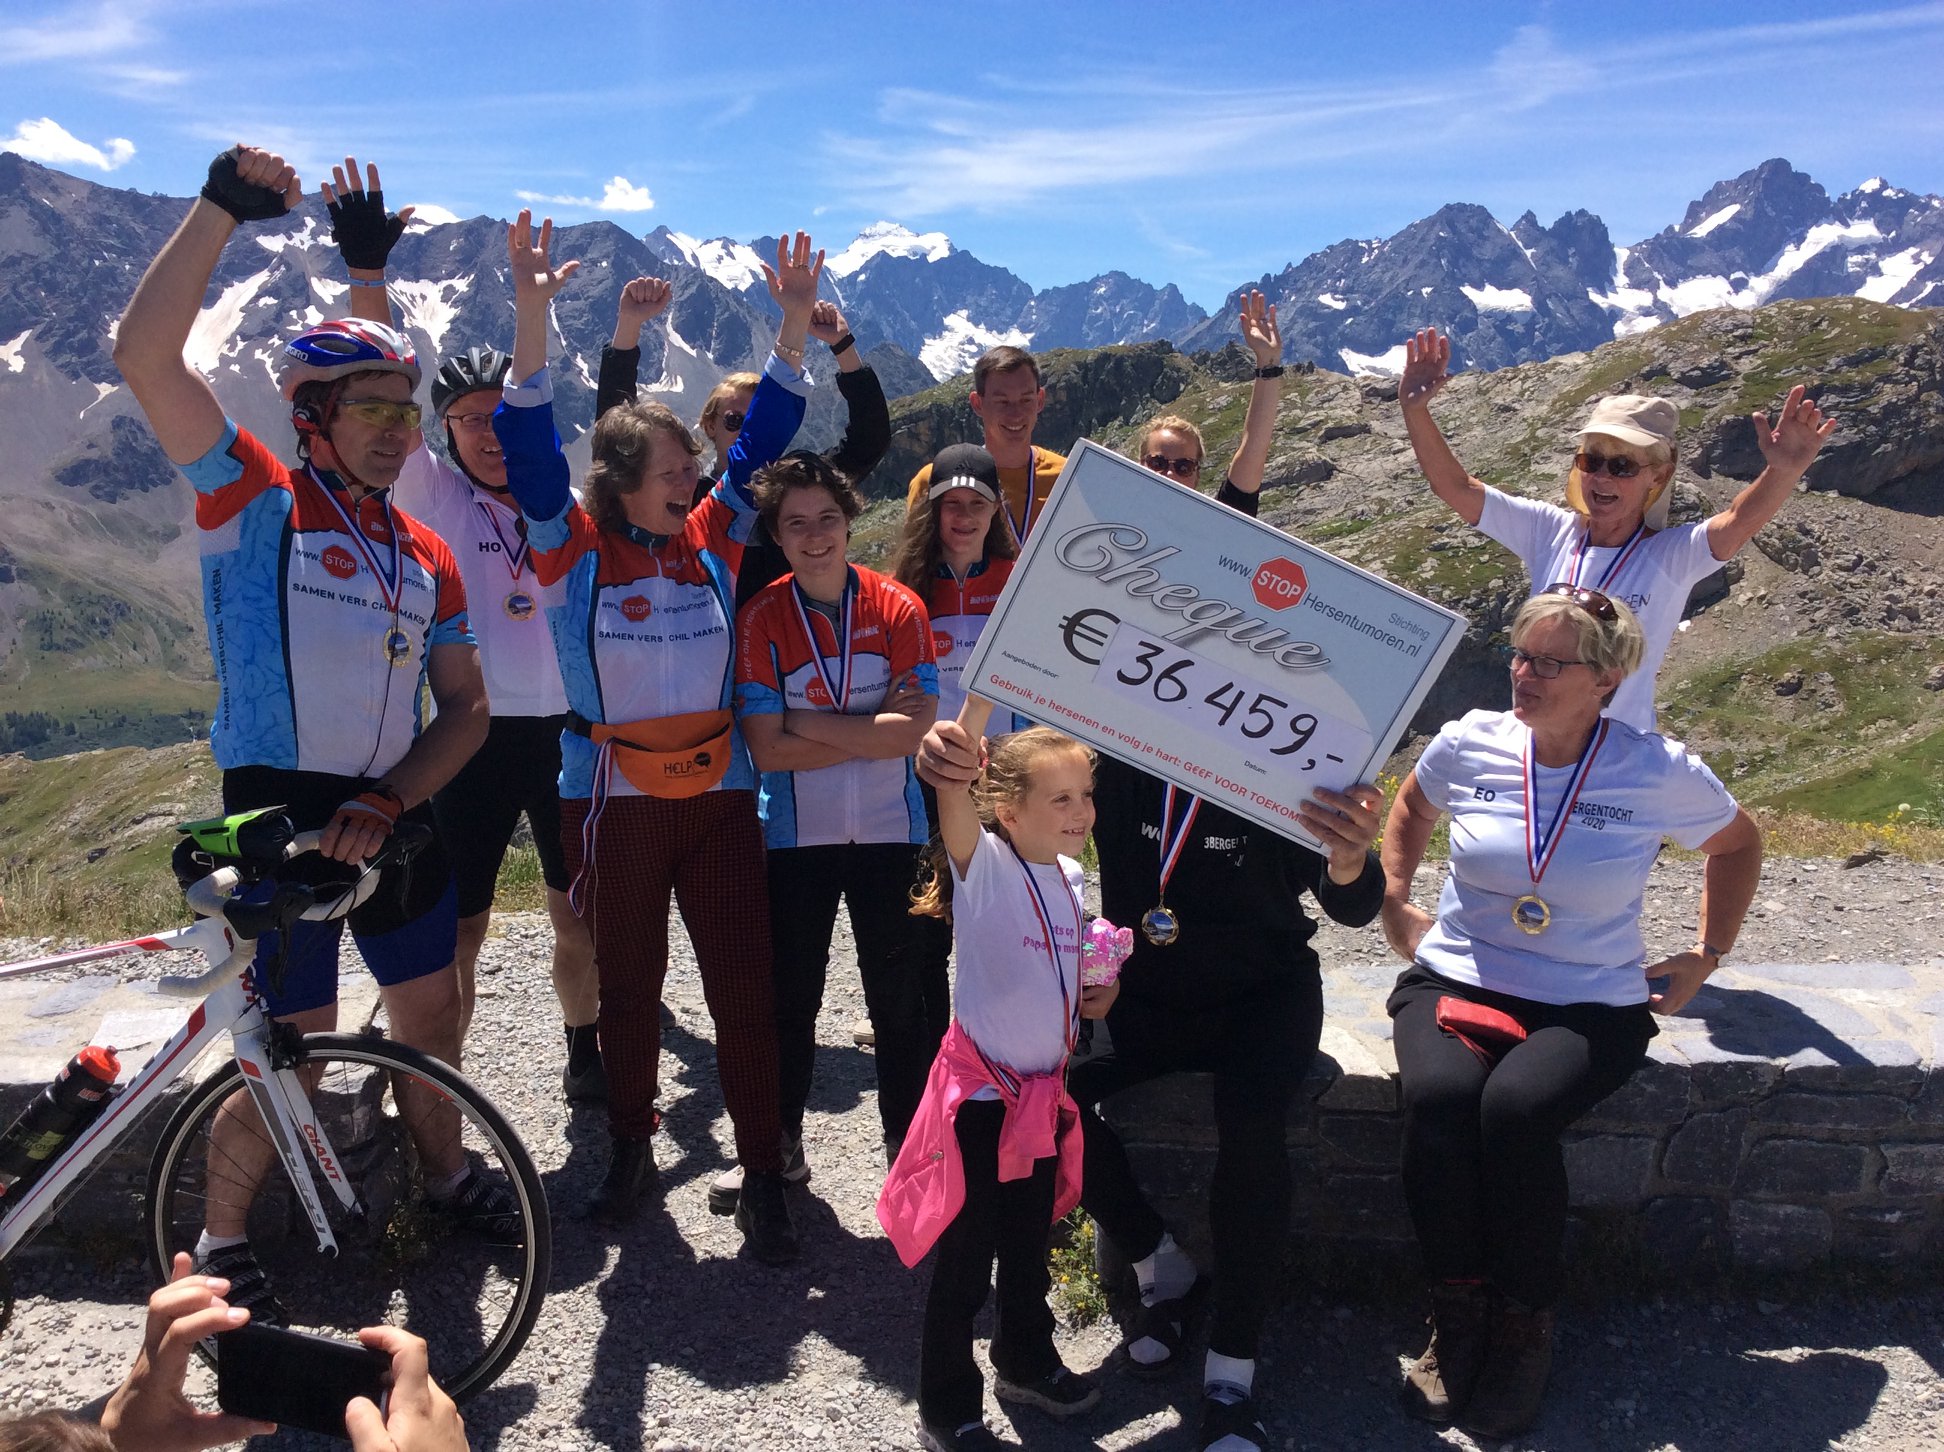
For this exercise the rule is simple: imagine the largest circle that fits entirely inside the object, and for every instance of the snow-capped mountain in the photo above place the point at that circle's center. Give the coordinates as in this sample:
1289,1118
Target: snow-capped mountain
1520,293
940,303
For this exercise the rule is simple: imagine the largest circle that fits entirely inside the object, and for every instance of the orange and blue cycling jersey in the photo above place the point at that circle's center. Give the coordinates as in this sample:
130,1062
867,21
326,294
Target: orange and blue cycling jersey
644,627
959,610
322,612
791,657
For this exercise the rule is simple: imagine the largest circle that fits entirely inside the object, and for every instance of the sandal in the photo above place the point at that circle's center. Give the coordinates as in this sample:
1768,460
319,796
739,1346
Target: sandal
1169,1323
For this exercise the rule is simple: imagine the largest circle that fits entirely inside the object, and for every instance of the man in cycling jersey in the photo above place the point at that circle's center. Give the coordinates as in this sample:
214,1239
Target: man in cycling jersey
518,769
329,612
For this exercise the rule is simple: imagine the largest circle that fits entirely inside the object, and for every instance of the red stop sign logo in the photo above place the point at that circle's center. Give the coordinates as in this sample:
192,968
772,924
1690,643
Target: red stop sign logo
1280,583
636,608
337,559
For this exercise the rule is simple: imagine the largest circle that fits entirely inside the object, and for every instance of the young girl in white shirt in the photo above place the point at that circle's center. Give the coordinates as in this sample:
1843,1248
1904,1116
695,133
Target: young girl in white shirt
993,1154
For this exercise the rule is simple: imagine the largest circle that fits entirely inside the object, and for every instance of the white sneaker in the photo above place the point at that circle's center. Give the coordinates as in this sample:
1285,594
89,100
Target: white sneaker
725,1191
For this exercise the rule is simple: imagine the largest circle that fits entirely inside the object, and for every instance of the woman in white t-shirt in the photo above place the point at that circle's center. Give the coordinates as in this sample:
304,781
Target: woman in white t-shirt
992,1158
1614,535
1527,1002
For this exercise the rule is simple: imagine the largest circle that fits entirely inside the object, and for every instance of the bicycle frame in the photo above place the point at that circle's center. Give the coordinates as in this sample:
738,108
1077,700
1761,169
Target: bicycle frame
276,1090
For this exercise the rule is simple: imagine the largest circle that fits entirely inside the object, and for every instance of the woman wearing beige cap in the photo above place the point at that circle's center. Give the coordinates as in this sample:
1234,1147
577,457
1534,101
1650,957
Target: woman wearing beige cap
1613,536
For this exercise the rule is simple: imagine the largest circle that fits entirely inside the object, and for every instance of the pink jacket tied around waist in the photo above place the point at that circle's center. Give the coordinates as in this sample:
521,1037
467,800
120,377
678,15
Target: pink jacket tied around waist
926,1187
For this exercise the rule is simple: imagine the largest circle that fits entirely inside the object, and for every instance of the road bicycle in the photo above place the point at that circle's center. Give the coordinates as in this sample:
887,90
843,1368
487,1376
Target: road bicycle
326,1149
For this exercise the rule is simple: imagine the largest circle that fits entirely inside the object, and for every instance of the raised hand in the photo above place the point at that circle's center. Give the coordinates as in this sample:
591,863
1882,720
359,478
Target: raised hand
252,185
827,323
1791,445
364,232
1259,330
642,300
793,281
535,278
1427,363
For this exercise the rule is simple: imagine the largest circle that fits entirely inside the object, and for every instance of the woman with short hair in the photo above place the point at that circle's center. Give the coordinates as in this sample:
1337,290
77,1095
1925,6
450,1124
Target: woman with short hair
1613,536
1526,1002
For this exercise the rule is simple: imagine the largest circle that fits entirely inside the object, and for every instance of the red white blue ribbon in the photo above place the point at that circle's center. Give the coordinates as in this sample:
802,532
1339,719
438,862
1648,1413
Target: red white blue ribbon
1069,1010
1614,566
386,576
516,552
1542,844
1173,838
1022,522
838,686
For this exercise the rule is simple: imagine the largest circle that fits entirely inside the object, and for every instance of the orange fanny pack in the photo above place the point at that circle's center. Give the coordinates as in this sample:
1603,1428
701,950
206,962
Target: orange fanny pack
669,756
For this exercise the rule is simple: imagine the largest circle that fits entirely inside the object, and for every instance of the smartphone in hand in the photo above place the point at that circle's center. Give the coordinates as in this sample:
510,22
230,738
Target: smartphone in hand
296,1379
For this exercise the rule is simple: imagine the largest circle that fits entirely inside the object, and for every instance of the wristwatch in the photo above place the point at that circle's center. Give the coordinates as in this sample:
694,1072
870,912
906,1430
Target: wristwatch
1709,950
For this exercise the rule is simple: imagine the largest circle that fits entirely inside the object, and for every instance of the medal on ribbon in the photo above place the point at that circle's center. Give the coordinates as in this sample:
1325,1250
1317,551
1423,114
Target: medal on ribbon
839,685
519,603
396,644
1159,925
1531,914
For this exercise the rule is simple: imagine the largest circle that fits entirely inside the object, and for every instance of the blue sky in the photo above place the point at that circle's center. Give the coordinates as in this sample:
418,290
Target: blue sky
1197,145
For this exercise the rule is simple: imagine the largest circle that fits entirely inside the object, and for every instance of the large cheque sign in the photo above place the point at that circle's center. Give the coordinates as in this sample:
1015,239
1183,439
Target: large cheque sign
1205,647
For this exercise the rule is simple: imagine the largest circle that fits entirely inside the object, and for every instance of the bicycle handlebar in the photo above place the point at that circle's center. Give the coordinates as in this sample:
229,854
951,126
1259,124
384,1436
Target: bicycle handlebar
213,897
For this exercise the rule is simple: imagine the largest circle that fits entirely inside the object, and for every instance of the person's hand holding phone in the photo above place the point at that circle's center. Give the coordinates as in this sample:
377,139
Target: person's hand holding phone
149,1410
419,1416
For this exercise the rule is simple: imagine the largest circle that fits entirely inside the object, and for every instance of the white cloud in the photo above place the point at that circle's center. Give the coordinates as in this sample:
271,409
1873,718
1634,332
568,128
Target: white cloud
47,140
621,195
74,33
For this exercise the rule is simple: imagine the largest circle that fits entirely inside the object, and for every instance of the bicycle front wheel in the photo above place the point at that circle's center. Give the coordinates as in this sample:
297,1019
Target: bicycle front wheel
402,1125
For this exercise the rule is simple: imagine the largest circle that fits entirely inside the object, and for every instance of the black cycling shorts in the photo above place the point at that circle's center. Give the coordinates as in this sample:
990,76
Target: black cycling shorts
406,929
517,770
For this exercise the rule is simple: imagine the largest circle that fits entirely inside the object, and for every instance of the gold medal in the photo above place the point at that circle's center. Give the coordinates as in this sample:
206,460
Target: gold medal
518,606
1160,926
1530,915
398,648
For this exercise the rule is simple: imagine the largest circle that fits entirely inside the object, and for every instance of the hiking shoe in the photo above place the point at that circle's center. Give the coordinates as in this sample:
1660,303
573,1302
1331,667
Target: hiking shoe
1518,1359
971,1437
1061,1393
1438,1385
763,1216
484,1206
726,1188
249,1287
1230,1422
590,1086
630,1172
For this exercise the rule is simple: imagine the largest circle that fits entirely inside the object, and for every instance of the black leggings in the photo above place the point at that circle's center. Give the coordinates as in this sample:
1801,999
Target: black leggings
1483,1170
1258,1045
872,879
1008,1220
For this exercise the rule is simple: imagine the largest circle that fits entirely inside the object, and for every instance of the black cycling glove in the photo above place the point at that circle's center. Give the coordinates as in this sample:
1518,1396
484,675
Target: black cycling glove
363,230
245,201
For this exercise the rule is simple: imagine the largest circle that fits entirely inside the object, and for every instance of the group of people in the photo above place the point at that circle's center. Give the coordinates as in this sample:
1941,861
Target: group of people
690,688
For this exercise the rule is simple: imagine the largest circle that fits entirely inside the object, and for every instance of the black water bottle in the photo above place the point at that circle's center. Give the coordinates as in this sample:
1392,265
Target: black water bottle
58,1113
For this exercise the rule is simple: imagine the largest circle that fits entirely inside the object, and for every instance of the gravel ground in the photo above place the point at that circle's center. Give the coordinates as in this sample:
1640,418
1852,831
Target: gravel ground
698,1346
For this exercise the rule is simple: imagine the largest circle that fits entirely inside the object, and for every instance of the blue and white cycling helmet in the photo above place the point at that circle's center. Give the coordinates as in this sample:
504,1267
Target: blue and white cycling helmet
338,349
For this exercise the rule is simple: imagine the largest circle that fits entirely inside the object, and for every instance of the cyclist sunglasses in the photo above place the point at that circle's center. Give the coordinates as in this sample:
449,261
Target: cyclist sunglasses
1180,468
382,413
1591,601
1617,467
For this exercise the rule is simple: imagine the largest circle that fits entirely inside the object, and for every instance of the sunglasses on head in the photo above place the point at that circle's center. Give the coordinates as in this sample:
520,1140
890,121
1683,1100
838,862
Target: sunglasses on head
382,413
1617,467
1180,468
733,420
1591,601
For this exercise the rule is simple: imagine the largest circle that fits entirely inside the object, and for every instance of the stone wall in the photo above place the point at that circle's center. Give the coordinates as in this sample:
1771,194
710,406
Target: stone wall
1793,1117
